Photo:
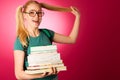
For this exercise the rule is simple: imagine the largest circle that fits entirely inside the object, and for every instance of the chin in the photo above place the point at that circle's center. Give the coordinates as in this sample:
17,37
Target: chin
36,25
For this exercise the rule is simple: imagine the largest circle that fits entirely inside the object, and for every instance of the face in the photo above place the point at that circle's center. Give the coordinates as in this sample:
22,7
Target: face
33,16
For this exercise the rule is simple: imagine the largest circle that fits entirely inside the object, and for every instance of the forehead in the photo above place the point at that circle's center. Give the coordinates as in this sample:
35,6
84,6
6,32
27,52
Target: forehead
35,7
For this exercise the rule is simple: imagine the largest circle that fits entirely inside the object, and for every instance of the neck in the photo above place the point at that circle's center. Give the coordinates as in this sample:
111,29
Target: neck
33,32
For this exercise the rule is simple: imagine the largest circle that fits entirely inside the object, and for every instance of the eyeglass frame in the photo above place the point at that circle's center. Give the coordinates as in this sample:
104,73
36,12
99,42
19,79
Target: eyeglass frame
35,12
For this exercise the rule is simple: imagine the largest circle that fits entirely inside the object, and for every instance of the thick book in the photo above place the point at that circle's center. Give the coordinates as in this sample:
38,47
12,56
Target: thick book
43,48
45,66
43,51
45,63
37,58
45,70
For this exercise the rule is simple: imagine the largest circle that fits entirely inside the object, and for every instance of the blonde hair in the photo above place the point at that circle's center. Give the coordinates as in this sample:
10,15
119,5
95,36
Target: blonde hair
22,33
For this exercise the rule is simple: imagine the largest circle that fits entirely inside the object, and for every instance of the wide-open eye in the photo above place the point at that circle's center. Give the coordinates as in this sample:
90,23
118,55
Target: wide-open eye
32,13
40,13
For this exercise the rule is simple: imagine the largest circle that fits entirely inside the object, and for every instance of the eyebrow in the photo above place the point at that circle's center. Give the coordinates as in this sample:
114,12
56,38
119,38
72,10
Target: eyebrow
35,10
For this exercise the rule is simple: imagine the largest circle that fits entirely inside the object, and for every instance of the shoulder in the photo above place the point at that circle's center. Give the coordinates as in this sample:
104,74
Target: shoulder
45,29
18,45
17,40
48,32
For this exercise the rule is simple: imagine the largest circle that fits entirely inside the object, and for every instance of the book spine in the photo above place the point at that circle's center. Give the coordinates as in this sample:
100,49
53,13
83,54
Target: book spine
44,66
43,51
45,63
38,48
34,58
45,70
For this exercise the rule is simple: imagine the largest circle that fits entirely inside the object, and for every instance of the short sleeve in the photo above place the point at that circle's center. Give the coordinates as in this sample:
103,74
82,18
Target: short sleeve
49,33
18,45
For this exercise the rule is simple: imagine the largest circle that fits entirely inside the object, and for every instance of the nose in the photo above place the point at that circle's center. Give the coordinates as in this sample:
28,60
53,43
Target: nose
37,17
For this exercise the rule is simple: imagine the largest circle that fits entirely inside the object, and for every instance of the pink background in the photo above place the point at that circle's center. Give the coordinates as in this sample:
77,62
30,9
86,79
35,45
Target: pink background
96,54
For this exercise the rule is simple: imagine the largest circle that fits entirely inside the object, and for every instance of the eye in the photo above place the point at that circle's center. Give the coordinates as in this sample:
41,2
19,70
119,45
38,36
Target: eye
32,13
41,13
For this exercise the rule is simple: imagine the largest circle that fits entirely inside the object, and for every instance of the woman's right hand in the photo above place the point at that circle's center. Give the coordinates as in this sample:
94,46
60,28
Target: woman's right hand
52,72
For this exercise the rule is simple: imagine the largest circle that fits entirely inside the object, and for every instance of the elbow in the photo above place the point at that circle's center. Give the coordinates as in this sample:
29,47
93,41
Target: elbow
73,41
18,78
18,75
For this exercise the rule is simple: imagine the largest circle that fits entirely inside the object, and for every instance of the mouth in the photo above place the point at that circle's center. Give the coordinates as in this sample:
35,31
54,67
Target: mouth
35,21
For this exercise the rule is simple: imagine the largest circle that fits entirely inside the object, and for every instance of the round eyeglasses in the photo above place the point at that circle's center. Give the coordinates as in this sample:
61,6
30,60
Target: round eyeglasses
33,13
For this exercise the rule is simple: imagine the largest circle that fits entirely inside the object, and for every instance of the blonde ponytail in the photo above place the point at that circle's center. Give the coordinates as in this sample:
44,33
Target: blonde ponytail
21,31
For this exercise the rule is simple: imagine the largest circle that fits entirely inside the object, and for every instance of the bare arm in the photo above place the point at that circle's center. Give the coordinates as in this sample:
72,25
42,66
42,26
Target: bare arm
19,71
55,8
74,32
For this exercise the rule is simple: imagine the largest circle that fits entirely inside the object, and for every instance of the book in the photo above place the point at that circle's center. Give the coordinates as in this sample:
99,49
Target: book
44,66
45,63
63,68
43,57
43,51
43,48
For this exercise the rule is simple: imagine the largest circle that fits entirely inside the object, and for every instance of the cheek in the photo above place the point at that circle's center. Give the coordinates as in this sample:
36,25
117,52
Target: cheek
40,19
28,20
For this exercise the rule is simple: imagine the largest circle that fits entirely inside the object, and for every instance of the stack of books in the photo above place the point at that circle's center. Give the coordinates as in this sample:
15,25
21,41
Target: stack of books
43,58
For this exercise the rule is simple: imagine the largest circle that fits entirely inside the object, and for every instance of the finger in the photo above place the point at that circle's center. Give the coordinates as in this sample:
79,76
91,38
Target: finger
51,71
72,8
44,74
58,72
75,11
55,70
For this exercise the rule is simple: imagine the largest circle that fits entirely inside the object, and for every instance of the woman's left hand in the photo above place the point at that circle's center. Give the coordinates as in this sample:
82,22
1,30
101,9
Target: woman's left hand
75,11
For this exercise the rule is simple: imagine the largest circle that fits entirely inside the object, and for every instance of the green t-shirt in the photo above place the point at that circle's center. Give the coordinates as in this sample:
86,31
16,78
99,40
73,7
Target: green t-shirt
45,38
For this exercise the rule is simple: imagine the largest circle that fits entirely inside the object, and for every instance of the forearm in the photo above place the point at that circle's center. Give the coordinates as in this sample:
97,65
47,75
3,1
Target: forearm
55,8
23,76
74,33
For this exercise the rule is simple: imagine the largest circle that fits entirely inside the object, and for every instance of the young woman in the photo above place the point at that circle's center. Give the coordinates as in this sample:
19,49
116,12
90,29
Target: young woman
28,19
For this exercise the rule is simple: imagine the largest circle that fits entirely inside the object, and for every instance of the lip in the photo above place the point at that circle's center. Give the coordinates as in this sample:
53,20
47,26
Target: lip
35,21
